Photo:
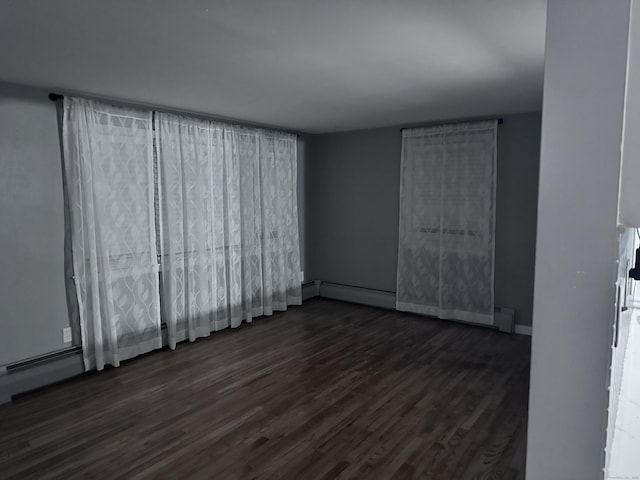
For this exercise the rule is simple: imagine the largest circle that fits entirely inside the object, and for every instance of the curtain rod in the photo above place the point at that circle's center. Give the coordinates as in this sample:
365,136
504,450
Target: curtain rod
56,96
500,122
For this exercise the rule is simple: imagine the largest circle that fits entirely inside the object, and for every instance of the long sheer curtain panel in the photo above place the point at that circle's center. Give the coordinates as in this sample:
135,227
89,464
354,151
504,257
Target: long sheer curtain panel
207,222
108,155
447,222
230,247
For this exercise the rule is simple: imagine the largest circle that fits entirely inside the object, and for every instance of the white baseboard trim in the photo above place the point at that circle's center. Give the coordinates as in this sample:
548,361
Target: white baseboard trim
523,330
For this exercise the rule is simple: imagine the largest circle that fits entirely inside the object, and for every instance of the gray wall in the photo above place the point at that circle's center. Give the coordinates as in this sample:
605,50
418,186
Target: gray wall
517,206
33,307
577,241
353,197
352,209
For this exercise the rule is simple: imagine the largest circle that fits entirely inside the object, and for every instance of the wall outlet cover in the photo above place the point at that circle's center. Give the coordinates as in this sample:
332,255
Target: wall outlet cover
66,335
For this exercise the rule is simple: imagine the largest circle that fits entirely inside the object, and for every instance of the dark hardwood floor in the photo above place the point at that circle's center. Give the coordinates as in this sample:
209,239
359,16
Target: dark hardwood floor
324,391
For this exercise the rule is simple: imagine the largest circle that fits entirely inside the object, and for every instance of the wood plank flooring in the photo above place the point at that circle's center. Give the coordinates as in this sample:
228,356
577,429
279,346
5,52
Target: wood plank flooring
329,390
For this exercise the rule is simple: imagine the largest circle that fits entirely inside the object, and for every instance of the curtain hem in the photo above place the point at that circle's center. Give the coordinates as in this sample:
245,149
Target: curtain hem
123,353
183,334
461,315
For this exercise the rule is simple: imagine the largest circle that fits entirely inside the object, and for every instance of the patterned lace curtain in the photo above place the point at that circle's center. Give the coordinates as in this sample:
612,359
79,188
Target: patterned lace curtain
447,218
108,154
230,248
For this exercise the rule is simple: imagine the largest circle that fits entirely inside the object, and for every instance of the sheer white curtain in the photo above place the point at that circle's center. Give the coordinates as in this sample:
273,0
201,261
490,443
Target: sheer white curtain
229,224
447,222
108,154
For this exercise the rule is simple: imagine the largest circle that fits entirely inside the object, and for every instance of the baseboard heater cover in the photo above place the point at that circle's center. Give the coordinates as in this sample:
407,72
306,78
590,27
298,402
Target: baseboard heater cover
504,318
37,372
364,296
310,290
42,359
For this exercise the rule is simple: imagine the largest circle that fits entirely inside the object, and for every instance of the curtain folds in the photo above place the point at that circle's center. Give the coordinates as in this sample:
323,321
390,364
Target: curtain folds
109,179
230,243
200,232
447,222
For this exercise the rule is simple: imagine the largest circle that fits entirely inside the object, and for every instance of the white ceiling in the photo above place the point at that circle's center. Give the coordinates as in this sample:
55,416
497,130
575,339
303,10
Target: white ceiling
306,65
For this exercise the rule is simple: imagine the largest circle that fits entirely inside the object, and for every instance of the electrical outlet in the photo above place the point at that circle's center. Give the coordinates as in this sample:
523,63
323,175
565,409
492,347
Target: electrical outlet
66,335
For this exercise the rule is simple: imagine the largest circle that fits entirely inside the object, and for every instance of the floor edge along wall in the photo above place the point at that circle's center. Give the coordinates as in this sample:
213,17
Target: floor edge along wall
55,367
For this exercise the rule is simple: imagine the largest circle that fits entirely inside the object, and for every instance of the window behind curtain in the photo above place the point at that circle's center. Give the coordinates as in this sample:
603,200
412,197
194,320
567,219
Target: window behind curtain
447,218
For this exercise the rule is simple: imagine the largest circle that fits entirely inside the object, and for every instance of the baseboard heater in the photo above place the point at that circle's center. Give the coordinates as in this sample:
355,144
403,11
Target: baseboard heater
503,319
37,372
310,290
353,294
43,370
